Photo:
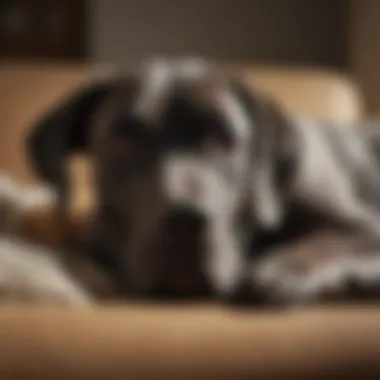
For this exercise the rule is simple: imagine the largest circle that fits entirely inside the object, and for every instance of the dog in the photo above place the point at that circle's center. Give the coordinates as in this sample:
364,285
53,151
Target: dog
185,148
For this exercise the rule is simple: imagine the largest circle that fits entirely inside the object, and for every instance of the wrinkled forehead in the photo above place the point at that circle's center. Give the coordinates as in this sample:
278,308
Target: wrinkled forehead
193,88
187,95
163,85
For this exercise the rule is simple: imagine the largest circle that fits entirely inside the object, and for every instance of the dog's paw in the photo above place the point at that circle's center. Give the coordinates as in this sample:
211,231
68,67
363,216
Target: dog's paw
272,283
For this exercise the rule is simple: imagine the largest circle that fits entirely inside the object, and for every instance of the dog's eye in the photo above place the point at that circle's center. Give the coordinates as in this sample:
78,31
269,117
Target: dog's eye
122,147
221,140
225,143
128,136
220,134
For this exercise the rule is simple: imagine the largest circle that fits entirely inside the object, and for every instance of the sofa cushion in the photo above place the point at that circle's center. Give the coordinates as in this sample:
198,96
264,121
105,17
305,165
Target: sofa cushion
28,91
322,95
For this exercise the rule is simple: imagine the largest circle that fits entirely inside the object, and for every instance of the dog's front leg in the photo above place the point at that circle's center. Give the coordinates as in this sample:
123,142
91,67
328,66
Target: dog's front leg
225,258
319,268
139,262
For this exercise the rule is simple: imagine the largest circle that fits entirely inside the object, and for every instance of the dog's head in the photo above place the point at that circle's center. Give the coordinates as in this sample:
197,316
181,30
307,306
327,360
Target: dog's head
178,146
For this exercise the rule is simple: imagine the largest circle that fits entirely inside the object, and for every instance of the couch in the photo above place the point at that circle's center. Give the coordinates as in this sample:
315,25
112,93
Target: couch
143,341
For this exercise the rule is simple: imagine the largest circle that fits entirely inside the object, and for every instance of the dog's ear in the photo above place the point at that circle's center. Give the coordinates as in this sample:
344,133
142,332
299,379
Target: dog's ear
273,153
63,130
66,129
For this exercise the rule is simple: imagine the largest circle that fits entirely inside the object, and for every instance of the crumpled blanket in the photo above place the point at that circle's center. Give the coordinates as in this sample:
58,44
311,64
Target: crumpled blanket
29,272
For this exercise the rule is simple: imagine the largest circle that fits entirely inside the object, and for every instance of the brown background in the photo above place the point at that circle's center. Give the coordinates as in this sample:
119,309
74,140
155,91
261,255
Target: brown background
340,34
309,32
364,49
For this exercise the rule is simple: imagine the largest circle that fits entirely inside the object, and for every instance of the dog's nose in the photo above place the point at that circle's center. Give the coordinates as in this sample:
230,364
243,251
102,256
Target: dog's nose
183,217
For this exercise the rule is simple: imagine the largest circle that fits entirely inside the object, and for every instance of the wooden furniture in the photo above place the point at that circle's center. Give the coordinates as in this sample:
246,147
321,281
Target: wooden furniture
42,29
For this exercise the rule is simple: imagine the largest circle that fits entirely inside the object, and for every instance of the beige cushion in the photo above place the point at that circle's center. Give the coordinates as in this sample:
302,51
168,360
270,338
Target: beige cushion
28,91
320,94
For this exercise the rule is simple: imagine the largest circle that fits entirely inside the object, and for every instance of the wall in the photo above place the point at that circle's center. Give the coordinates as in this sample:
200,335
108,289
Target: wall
288,31
364,53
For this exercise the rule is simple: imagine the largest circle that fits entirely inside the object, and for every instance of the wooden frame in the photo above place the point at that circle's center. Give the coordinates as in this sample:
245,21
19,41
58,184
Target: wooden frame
43,29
